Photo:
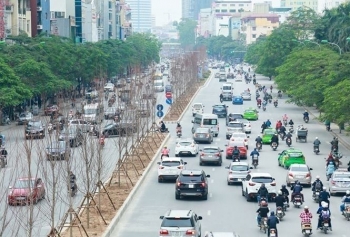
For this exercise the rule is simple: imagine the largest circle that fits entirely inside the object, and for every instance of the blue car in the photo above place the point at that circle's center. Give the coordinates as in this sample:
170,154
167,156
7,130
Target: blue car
237,100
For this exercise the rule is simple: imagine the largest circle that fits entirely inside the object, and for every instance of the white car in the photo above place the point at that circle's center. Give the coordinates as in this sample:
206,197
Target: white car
109,87
240,136
237,171
169,168
186,147
252,183
80,123
197,108
247,125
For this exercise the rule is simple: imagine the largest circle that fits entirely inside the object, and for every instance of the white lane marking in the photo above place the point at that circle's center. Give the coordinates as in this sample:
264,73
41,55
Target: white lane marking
212,181
210,194
209,212
218,139
213,169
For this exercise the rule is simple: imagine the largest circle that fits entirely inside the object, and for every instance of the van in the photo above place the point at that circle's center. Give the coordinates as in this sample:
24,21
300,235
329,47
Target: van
206,121
93,113
158,85
197,108
227,90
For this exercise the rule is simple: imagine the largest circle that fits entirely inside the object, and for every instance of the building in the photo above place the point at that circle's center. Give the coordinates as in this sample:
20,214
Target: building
191,8
329,4
313,4
126,26
16,18
282,12
261,7
153,21
141,15
107,19
6,11
255,25
205,22
41,17
62,18
232,6
235,26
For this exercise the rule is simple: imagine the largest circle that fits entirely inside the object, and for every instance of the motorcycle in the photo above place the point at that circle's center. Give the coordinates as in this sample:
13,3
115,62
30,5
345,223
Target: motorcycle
178,132
273,232
346,212
306,229
274,146
259,106
258,146
3,161
263,224
325,225
164,130
279,95
316,196
285,122
289,141
235,158
282,135
285,205
275,104
291,129
264,107
270,101
255,161
297,202
50,128
328,127
316,150
73,189
280,214
306,119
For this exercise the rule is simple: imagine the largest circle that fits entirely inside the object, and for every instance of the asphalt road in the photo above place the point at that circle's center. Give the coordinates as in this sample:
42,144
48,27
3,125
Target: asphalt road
226,209
14,221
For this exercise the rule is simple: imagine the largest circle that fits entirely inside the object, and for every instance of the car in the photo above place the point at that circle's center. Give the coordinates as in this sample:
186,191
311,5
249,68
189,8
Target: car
57,150
222,69
142,109
58,122
168,88
267,135
24,118
210,154
222,78
299,172
246,96
197,108
217,75
35,129
237,171
252,183
214,67
84,125
290,156
109,87
186,147
232,117
203,135
251,114
237,100
220,110
111,112
180,223
73,135
230,75
220,234
169,168
192,183
51,110
240,136
243,151
234,127
339,182
26,191
121,83
111,130
247,125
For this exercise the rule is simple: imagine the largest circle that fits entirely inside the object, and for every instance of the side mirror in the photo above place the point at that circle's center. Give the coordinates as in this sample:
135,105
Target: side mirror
227,167
208,176
185,163
158,163
221,150
273,179
311,169
247,136
161,217
226,145
250,168
279,153
199,218
192,121
200,150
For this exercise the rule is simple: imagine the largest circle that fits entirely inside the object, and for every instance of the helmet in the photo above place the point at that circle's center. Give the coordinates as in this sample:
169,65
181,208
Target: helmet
262,185
263,203
316,138
348,192
317,177
254,149
235,146
165,147
283,185
324,188
279,192
272,213
324,205
306,208
258,135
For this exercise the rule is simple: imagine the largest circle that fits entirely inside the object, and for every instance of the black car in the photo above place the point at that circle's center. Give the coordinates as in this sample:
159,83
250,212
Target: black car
57,150
220,110
35,129
112,129
192,183
73,135
233,117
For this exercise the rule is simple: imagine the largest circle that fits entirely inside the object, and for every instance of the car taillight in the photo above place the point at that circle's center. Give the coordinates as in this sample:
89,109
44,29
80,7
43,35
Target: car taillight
251,184
180,167
161,167
332,182
195,135
190,232
230,172
163,232
207,135
290,174
202,154
217,154
273,184
308,175
203,185
178,184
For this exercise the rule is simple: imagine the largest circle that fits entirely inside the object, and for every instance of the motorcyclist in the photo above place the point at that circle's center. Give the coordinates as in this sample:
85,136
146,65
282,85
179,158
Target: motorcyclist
285,192
335,143
262,193
271,87
178,127
264,103
162,126
254,153
72,180
324,196
258,140
330,159
280,200
165,152
272,222
275,139
221,97
279,93
258,102
345,199
330,168
306,216
324,213
236,153
306,115
278,125
262,212
291,123
296,190
285,119
317,185
4,154
283,130
268,123
263,127
317,143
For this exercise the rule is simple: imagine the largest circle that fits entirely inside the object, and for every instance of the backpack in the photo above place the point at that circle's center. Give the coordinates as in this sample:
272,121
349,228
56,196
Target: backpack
325,214
318,186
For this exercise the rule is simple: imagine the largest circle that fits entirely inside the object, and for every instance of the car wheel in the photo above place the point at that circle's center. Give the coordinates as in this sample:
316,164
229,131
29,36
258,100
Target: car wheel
220,163
279,164
160,180
177,196
242,189
200,163
205,197
176,155
248,199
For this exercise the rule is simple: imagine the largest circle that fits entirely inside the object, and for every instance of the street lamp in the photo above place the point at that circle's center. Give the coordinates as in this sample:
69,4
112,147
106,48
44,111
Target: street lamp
309,41
326,42
298,41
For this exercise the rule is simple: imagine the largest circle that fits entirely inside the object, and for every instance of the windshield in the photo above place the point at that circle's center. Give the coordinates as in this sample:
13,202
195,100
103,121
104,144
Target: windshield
210,121
299,169
262,179
269,132
235,125
21,184
197,106
90,111
239,168
58,145
201,130
158,84
171,163
250,112
342,176
226,88
295,154
176,222
185,143
34,124
191,178
239,135
210,150
218,108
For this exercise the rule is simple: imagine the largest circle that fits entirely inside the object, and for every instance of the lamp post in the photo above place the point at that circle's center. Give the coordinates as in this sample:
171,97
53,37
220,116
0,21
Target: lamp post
298,41
312,42
326,42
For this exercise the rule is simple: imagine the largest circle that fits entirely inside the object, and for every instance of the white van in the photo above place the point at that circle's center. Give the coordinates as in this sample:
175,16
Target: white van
227,90
158,85
197,108
206,121
93,113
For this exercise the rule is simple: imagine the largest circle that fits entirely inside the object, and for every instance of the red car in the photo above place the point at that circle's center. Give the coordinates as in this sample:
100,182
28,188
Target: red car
242,149
26,191
51,109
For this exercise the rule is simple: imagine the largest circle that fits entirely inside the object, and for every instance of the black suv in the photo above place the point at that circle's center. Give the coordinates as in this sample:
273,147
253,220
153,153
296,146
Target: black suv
35,129
220,110
192,183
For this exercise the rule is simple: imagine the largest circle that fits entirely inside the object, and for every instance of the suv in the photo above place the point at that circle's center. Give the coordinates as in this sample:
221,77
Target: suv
35,129
169,168
192,183
220,110
252,183
180,223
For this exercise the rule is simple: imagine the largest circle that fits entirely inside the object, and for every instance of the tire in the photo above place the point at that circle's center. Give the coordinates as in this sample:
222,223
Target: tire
220,163
176,155
242,191
177,196
205,197
248,199
200,163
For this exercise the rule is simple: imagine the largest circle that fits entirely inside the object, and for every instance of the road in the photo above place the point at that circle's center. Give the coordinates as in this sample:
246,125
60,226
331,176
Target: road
19,218
226,209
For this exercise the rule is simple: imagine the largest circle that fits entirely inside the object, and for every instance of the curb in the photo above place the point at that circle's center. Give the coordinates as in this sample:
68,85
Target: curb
123,208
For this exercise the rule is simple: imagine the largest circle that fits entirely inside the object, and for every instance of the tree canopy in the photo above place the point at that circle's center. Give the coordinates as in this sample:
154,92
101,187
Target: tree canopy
187,32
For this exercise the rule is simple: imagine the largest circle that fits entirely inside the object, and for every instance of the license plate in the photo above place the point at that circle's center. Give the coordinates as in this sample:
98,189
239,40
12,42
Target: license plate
191,186
299,203
239,179
325,224
299,177
201,136
317,193
279,211
210,156
272,235
20,198
307,231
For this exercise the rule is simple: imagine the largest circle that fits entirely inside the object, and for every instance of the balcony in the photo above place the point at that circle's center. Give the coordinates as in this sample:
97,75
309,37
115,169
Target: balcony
39,27
9,8
39,9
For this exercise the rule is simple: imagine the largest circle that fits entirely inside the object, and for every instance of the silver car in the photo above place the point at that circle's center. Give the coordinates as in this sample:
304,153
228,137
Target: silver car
210,154
339,182
299,172
234,127
237,171
203,135
246,96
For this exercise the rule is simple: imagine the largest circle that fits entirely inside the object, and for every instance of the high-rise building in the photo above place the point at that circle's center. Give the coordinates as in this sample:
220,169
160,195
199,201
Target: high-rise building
313,4
40,11
191,8
141,15
329,4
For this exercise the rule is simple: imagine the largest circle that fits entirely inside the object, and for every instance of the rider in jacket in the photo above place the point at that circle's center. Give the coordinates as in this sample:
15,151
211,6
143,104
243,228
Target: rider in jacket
262,193
345,199
324,212
272,223
297,188
285,192
317,185
236,153
324,196
280,200
263,212
275,139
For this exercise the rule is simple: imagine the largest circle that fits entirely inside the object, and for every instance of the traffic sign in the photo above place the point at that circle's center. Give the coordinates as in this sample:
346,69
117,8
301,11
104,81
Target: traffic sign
169,101
169,95
160,107
160,113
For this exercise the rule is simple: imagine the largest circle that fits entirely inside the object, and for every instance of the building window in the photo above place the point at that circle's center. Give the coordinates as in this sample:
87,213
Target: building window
254,28
232,10
241,5
232,5
224,5
223,10
253,36
28,26
217,10
110,16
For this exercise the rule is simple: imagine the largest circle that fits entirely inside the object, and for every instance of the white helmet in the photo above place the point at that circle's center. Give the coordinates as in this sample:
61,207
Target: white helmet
317,177
324,188
316,138
306,207
325,205
347,191
280,192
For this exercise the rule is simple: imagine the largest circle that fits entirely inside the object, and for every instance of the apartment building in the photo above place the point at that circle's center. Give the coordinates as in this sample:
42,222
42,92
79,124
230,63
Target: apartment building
16,17
62,18
126,27
233,6
41,17
295,4
329,4
205,23
141,15
192,8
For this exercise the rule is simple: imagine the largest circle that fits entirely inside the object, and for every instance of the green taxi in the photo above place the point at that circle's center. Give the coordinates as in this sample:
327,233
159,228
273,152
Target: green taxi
250,114
290,156
267,135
